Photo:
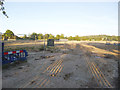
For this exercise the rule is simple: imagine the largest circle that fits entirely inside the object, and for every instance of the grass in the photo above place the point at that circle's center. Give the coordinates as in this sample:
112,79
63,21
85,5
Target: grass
30,48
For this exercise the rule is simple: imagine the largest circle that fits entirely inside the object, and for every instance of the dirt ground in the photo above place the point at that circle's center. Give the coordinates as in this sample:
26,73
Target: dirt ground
71,65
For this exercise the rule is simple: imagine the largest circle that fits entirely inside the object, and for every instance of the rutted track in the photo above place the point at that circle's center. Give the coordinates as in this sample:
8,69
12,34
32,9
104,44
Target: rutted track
51,70
97,74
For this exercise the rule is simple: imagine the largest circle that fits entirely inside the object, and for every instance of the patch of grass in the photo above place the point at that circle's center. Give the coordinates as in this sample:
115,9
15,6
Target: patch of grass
53,49
14,49
31,48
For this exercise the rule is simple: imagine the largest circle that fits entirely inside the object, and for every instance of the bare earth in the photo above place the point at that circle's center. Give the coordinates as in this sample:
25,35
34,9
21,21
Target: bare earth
74,65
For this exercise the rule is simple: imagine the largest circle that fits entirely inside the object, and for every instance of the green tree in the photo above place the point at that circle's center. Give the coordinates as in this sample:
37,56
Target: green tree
62,36
25,36
8,34
77,38
51,36
70,38
57,36
3,36
40,36
47,36
66,37
34,36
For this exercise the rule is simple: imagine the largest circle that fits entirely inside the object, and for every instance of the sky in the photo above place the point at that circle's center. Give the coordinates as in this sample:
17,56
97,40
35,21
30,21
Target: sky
68,18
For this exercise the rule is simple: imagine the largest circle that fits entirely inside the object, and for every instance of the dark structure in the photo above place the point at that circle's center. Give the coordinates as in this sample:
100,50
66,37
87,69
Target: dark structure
50,42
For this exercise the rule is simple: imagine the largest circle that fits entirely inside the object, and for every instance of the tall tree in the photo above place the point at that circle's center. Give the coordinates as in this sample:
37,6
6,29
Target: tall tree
57,36
34,36
62,36
9,34
51,36
77,38
70,38
47,36
40,36
25,36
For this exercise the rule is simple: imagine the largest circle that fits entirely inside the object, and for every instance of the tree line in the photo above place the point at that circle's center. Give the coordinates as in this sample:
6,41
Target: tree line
38,36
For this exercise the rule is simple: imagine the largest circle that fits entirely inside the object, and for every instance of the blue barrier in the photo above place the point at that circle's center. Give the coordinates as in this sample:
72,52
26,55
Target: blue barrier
12,56
113,44
107,44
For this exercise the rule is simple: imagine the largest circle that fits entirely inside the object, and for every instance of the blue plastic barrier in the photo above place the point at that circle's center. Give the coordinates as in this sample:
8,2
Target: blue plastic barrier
12,56
113,44
107,44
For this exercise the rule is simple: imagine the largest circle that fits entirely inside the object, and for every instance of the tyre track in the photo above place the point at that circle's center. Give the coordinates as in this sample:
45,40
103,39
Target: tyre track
97,73
51,70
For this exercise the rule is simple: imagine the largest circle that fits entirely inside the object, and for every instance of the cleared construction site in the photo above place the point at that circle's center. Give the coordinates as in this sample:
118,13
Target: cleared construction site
70,64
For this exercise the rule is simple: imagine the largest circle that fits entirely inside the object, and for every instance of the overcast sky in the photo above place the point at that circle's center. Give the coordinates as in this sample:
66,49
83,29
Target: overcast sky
69,18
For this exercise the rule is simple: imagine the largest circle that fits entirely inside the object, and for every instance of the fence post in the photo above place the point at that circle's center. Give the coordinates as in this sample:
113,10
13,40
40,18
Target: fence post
2,50
0,60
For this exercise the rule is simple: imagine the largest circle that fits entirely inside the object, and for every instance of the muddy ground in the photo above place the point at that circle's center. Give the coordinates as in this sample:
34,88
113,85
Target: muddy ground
71,65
